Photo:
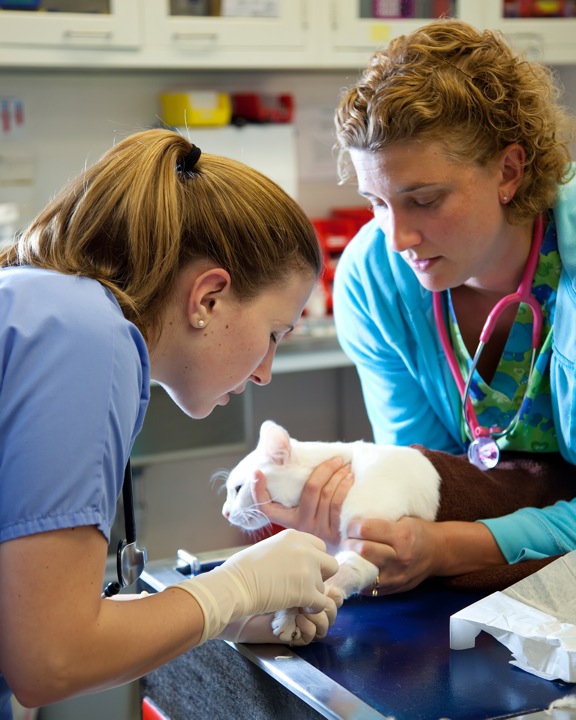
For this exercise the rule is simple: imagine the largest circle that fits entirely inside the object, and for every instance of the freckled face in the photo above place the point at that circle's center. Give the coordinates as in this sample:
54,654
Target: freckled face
443,217
237,346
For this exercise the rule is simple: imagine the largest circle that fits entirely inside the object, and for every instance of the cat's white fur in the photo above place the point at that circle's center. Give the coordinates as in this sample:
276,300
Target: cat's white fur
389,482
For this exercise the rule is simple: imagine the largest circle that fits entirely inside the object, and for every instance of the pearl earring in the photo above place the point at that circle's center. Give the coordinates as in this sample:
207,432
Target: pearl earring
504,198
201,323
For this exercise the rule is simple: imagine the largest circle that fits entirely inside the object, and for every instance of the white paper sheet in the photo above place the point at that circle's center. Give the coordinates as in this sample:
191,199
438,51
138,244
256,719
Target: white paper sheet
534,618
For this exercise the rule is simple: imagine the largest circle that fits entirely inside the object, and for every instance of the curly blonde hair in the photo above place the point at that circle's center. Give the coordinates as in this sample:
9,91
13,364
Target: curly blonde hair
466,89
134,219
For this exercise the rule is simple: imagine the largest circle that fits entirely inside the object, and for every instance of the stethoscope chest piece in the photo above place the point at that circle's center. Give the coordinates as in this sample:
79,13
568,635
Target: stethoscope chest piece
484,453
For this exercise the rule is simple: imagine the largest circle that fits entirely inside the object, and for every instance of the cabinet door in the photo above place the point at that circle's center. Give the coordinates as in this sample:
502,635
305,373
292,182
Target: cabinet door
227,33
544,31
103,24
358,27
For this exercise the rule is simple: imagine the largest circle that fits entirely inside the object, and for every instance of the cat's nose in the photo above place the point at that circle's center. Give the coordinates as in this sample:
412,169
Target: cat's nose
226,513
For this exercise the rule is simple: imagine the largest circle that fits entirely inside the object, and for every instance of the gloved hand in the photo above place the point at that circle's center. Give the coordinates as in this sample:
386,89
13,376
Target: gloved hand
258,628
285,570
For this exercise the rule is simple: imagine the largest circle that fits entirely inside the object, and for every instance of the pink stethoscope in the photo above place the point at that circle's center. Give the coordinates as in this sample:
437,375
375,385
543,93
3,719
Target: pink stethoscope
483,450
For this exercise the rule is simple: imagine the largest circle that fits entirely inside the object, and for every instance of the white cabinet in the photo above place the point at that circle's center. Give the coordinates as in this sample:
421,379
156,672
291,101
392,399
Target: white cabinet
280,39
161,36
353,34
116,26
297,34
547,39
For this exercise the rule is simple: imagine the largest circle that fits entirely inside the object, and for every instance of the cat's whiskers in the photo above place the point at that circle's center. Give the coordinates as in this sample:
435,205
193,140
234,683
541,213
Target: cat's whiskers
257,505
250,516
221,476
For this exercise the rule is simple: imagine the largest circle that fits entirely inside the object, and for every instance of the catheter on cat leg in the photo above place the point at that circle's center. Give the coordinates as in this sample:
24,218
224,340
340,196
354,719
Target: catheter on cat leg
389,483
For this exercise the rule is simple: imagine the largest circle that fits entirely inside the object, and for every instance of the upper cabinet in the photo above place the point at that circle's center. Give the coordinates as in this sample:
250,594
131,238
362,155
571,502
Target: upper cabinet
357,27
262,34
227,33
544,30
69,25
163,33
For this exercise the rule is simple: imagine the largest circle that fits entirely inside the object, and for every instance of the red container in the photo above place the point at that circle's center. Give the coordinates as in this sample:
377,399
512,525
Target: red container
252,107
358,215
333,234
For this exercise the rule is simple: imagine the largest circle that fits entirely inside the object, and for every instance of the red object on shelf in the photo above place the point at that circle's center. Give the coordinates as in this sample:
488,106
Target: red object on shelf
359,215
333,234
252,107
442,8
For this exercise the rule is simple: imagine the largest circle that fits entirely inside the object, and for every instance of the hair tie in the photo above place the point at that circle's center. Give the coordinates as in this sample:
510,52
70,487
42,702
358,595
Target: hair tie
187,163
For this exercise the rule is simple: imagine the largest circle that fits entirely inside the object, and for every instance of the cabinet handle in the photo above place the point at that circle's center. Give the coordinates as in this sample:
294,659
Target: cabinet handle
88,34
195,38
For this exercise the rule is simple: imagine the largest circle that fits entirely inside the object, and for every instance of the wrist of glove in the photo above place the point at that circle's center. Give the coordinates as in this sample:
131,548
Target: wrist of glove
285,570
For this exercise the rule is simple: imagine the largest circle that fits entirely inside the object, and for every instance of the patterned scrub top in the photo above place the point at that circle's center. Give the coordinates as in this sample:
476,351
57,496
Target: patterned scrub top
512,387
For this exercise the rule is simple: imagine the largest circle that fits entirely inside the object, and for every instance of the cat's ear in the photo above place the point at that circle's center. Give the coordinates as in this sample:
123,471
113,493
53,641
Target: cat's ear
274,442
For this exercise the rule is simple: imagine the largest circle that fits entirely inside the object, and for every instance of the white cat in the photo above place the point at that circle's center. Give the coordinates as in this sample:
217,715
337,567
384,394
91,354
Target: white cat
389,482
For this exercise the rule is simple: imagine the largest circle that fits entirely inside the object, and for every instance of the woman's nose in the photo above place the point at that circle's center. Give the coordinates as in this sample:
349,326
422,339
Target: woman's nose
400,233
263,373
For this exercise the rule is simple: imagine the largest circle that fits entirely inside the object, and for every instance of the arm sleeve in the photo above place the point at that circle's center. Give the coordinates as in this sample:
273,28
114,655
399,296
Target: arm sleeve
563,367
392,354
73,392
533,533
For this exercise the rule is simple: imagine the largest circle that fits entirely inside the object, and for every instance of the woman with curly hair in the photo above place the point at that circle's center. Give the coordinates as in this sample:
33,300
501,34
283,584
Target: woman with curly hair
457,302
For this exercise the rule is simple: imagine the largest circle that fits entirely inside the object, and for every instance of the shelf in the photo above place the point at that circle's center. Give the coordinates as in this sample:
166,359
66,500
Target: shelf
303,361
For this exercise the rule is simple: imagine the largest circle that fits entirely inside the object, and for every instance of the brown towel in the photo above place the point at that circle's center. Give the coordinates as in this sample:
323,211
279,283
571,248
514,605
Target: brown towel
519,480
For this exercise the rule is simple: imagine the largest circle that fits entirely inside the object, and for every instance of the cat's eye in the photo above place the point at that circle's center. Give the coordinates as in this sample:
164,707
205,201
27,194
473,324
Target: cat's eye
237,489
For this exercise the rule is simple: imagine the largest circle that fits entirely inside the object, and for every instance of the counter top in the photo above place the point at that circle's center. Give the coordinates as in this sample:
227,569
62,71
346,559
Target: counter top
313,348
390,656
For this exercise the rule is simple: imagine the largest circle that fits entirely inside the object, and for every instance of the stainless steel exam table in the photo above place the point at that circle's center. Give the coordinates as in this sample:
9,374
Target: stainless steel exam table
384,657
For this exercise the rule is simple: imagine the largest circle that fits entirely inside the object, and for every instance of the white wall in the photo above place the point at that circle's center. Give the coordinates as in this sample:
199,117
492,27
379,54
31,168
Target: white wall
73,117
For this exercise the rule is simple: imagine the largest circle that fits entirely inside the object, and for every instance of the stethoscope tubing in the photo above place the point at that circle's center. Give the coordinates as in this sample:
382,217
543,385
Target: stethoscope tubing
522,295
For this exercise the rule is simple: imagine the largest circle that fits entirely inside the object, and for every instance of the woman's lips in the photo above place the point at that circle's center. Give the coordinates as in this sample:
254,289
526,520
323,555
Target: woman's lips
422,265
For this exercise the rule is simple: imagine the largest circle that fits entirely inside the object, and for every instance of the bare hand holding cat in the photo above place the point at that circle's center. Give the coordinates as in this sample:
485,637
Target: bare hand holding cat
411,549
319,509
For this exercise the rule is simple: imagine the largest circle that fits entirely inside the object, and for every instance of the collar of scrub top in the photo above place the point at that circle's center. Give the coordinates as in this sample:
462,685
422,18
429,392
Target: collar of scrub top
130,559
483,450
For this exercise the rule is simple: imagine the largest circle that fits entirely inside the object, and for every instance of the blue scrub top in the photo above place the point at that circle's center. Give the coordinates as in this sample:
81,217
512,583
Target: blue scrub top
74,387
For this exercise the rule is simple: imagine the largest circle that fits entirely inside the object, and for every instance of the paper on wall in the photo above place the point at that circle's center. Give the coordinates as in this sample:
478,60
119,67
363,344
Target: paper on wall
534,618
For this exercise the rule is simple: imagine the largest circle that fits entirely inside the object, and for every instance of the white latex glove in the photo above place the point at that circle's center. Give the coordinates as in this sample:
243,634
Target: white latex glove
258,628
285,570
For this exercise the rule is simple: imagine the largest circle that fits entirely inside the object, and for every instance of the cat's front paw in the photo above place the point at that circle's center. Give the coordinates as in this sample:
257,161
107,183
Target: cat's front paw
284,625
